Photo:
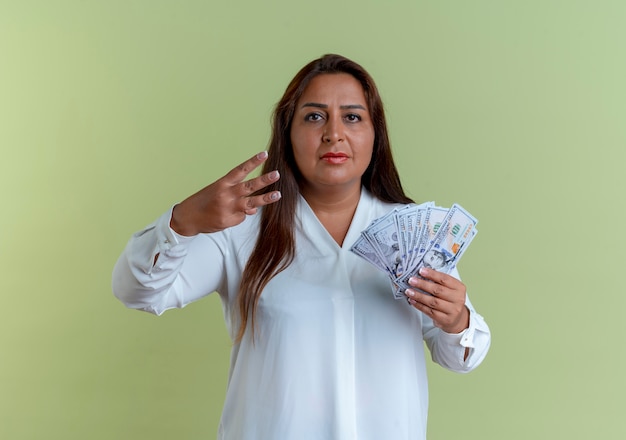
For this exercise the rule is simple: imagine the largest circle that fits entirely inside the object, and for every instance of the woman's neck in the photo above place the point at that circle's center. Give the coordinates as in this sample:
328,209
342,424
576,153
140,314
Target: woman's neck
334,209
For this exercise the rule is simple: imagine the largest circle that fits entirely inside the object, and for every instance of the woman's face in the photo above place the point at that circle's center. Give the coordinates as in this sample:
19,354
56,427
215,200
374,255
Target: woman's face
332,133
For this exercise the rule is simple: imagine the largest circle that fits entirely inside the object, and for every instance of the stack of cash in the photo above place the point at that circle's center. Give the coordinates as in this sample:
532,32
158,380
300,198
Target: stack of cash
410,237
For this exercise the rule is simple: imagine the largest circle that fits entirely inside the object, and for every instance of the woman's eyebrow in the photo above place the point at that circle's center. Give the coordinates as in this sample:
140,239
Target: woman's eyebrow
343,107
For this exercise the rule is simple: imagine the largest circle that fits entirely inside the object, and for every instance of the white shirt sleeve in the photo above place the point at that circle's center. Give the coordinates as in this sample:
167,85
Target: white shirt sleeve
448,350
173,280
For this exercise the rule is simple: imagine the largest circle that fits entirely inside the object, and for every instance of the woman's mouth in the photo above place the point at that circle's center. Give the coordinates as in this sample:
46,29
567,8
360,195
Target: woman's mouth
335,158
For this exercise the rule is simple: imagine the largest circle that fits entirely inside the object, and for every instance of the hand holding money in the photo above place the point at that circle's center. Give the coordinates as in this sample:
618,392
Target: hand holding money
443,300
412,237
417,246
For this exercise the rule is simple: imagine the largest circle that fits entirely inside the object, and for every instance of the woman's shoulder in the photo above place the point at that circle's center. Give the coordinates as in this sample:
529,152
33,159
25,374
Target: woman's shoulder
376,204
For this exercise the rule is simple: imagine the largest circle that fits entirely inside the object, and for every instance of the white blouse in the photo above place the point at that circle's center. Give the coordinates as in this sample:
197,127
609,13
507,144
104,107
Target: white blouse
335,356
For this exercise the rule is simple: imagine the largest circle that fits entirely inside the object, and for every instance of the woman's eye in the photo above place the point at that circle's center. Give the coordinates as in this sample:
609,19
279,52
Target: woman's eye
313,117
352,117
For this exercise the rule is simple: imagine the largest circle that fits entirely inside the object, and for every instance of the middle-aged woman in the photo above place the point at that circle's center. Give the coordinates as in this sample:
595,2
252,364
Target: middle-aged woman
321,349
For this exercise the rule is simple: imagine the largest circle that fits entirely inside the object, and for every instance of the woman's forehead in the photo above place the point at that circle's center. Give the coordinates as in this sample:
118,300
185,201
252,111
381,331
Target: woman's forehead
334,88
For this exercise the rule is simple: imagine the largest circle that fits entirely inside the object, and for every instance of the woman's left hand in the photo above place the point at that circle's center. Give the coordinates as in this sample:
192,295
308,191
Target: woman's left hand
444,301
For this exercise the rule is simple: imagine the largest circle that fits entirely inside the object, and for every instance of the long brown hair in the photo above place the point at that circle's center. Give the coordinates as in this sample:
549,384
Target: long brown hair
275,247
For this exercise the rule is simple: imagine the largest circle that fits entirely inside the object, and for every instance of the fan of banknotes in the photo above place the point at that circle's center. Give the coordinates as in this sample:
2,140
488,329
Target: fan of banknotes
410,237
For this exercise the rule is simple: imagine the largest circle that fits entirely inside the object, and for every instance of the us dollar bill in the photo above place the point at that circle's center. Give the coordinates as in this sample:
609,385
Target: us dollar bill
410,237
364,249
384,238
450,238
429,221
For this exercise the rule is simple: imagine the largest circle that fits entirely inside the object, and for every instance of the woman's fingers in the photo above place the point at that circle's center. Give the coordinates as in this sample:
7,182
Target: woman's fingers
227,201
241,171
235,180
441,297
252,203
441,279
251,186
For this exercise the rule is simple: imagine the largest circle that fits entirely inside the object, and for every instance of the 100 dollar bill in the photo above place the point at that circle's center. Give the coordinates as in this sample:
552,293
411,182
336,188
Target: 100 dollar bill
445,246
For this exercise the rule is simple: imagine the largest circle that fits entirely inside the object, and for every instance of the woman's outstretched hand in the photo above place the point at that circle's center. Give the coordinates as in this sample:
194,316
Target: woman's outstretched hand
225,202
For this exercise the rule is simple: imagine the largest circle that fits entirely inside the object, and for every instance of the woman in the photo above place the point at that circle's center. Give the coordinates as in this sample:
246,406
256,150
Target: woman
321,349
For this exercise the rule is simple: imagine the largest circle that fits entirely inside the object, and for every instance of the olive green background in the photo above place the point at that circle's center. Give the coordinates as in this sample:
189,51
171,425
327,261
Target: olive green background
111,111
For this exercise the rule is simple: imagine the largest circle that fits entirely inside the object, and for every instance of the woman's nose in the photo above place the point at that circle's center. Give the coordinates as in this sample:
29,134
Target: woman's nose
333,131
